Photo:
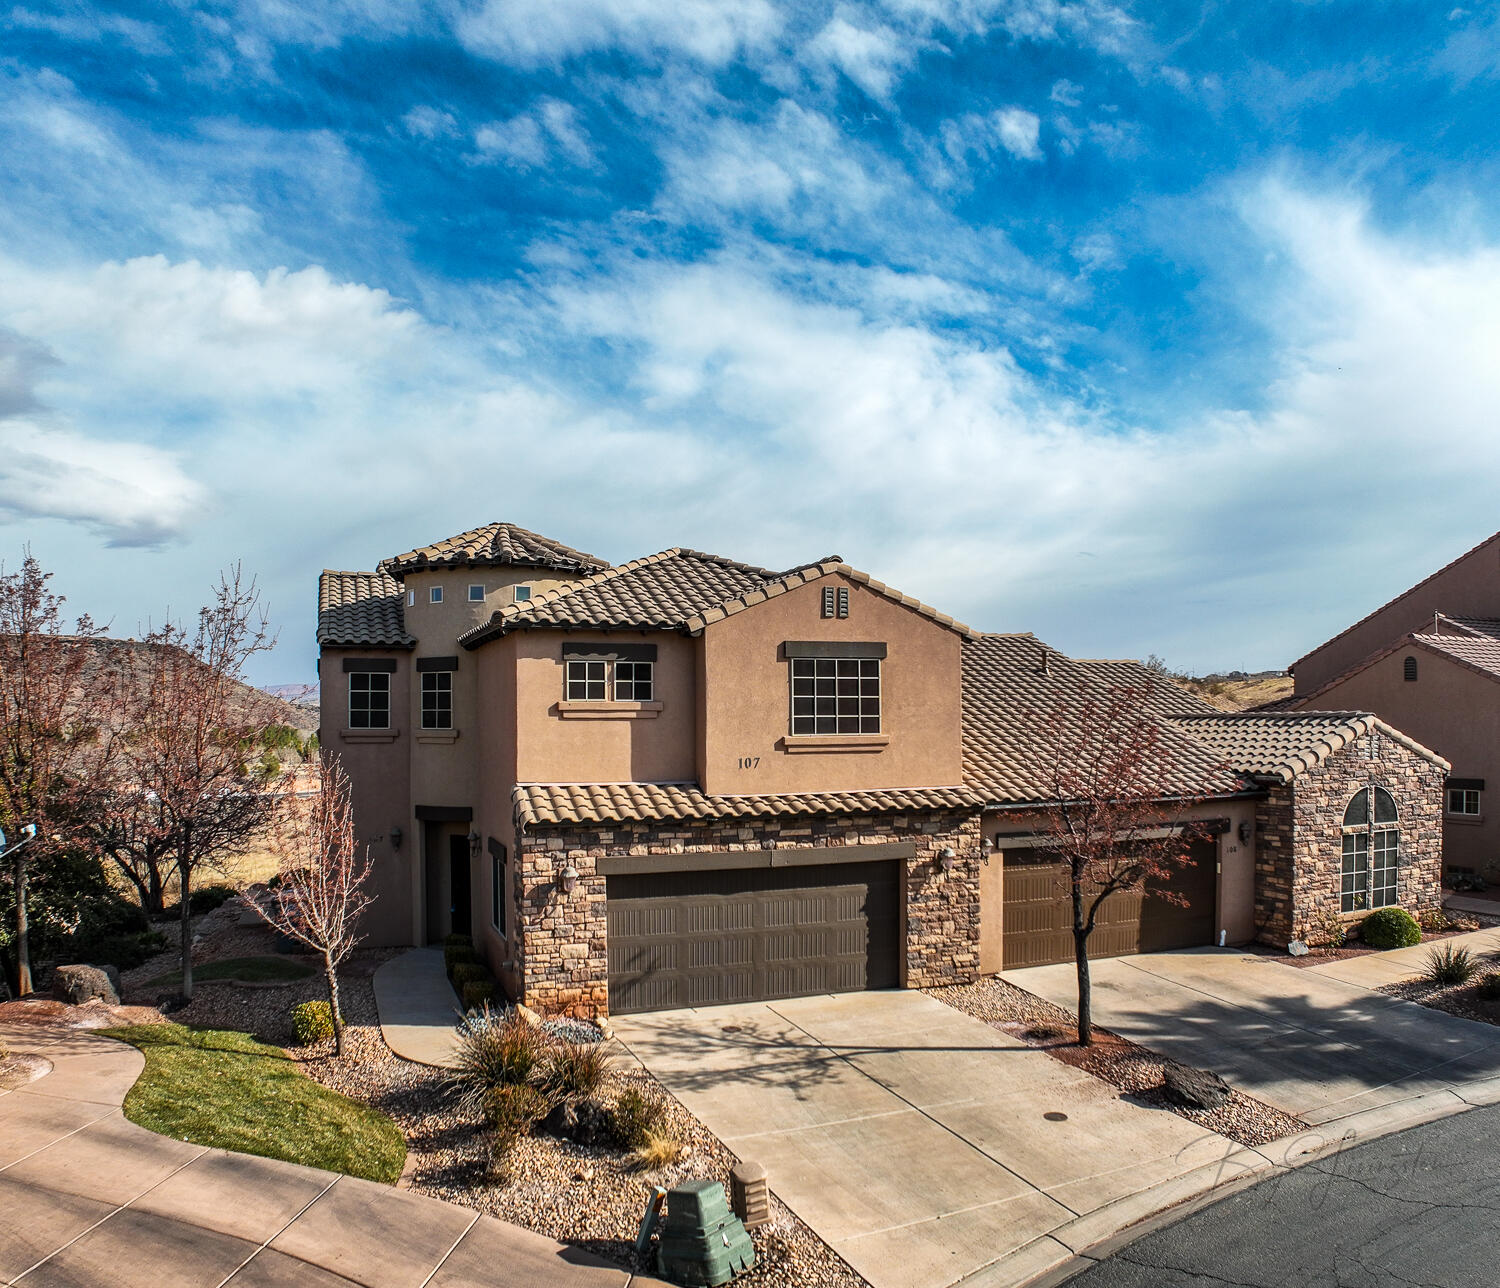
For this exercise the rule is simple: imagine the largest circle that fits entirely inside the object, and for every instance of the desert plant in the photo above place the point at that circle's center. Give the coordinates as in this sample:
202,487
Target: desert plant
312,1022
477,993
512,1110
1390,928
496,1049
574,1069
636,1118
1489,987
657,1151
1434,921
1450,966
458,955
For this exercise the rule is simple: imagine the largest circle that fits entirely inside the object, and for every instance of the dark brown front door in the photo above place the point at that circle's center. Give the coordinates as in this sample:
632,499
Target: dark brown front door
1038,913
462,916
744,935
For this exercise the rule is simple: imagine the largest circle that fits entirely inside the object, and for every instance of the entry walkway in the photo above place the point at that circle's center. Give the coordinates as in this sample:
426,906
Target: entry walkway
418,1007
89,1198
1400,964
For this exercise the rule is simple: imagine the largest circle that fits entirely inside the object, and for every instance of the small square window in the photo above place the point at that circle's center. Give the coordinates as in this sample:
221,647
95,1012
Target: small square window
523,593
369,700
435,595
585,681
476,594
633,681
1463,800
437,699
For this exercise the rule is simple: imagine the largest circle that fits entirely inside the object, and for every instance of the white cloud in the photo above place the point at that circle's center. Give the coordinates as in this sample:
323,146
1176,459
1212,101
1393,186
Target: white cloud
429,122
872,56
528,141
1014,129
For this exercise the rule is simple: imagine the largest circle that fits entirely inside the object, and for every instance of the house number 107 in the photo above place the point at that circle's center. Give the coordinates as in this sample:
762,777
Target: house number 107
749,762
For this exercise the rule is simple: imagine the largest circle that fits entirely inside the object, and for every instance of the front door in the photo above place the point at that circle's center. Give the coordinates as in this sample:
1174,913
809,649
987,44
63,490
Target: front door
461,921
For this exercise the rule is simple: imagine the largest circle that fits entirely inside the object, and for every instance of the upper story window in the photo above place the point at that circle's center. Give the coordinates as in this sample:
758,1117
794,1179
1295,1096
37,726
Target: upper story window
634,681
835,695
369,700
1465,797
523,594
476,593
1409,669
411,598
437,699
435,595
1371,851
585,680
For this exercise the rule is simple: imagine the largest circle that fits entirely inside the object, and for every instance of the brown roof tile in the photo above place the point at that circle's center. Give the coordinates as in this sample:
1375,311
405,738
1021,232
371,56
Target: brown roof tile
553,803
1283,745
494,545
361,610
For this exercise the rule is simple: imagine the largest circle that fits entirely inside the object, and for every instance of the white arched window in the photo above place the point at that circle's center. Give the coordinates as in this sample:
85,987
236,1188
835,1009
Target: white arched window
1371,849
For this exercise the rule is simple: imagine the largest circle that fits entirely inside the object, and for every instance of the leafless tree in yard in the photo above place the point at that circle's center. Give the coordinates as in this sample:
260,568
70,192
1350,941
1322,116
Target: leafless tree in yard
184,733
1116,822
321,893
48,725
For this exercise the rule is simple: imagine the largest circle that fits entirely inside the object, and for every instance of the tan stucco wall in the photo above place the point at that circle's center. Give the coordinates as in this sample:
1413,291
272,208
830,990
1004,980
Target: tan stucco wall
1470,588
748,697
1455,712
1235,915
379,774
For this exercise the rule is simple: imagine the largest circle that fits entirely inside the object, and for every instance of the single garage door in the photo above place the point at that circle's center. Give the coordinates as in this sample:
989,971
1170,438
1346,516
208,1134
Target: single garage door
1038,913
748,934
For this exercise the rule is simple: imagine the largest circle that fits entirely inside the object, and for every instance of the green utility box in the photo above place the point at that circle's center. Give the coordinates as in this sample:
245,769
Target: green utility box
702,1243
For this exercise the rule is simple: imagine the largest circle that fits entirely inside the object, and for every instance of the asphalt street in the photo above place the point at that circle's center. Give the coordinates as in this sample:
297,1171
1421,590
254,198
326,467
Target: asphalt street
1419,1208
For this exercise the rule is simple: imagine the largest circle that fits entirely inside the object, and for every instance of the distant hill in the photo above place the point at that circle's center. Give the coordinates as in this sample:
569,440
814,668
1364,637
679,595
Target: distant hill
1237,690
299,695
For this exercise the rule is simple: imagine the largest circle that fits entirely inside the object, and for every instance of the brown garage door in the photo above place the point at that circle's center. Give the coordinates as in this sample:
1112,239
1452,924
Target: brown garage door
744,935
1038,914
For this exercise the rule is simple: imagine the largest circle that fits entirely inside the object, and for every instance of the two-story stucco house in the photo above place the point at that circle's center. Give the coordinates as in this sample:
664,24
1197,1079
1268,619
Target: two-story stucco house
685,780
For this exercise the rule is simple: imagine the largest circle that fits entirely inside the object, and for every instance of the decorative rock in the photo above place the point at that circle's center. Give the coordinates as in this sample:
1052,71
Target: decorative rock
1297,948
79,984
1196,1088
584,1122
527,1014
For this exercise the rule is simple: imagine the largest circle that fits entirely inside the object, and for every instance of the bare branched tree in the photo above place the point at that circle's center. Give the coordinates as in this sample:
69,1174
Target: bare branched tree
48,725
184,729
321,894
1116,817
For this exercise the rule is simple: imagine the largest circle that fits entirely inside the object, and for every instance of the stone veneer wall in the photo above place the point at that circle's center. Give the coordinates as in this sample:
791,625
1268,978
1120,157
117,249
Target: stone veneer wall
1299,881
562,951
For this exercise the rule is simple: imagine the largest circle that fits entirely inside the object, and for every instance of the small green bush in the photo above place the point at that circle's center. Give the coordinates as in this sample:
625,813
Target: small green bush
467,973
1450,966
477,993
1390,928
512,1110
458,955
312,1022
1489,987
574,1069
124,951
636,1119
497,1049
457,941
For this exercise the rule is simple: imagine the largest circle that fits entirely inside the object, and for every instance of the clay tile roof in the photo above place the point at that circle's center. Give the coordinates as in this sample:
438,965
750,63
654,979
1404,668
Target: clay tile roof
543,803
1007,693
1481,652
659,592
361,610
1284,745
1486,627
495,544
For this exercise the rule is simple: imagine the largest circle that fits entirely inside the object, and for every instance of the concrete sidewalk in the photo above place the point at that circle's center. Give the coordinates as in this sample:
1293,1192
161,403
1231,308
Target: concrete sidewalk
418,1007
1401,964
88,1198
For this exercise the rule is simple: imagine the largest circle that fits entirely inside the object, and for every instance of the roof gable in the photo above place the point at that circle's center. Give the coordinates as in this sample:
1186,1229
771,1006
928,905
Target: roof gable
1282,746
493,545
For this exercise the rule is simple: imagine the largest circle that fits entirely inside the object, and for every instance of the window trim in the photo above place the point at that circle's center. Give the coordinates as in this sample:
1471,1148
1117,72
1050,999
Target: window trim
435,677
1381,840
434,594
815,722
1476,793
521,594
473,598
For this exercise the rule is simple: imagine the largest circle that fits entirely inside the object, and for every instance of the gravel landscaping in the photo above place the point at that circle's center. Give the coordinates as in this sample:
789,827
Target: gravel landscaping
1461,924
1133,1069
1462,1000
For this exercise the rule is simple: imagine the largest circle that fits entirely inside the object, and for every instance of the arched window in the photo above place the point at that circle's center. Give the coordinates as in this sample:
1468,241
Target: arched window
1371,851
1409,668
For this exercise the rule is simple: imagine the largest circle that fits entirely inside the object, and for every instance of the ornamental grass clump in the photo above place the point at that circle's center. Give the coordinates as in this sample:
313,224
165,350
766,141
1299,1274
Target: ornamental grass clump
1450,966
574,1069
497,1049
1390,928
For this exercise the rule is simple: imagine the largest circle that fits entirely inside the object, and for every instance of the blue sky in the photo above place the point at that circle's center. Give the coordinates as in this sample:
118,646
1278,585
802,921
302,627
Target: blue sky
1160,328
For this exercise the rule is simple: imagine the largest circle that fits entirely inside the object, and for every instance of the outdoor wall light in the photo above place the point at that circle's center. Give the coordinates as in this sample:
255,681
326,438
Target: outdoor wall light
946,857
473,844
569,879
1245,830
986,848
395,838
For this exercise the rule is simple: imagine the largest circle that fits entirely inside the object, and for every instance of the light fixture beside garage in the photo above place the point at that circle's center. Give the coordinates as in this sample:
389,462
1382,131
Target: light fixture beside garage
1245,830
946,857
568,879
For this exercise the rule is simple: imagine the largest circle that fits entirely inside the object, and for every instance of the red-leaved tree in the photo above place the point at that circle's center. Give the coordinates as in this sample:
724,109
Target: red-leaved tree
321,892
1116,814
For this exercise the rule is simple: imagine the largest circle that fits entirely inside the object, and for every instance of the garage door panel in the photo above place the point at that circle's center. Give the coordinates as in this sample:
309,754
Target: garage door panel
750,934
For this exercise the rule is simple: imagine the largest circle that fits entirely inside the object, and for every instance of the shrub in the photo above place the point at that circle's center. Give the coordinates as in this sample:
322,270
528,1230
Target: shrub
496,1049
658,1151
1450,966
477,993
574,1069
1390,928
312,1022
458,955
1489,987
466,973
636,1118
123,951
513,1110
457,941
1434,921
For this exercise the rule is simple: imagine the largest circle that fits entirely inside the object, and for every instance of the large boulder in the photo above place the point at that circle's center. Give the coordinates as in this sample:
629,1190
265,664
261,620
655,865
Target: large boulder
1195,1088
584,1122
79,984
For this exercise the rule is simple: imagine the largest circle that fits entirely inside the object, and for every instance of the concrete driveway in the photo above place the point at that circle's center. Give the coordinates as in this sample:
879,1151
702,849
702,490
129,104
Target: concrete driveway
1318,1046
922,1144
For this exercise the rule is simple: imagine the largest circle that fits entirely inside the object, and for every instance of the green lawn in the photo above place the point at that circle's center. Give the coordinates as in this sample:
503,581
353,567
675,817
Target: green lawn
247,970
221,1088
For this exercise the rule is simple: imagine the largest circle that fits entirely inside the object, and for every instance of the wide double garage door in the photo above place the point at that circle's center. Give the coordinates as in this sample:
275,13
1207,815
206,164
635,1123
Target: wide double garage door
704,938
1037,927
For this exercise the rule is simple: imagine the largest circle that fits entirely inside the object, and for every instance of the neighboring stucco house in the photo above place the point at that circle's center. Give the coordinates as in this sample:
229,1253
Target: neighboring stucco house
1428,662
687,780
